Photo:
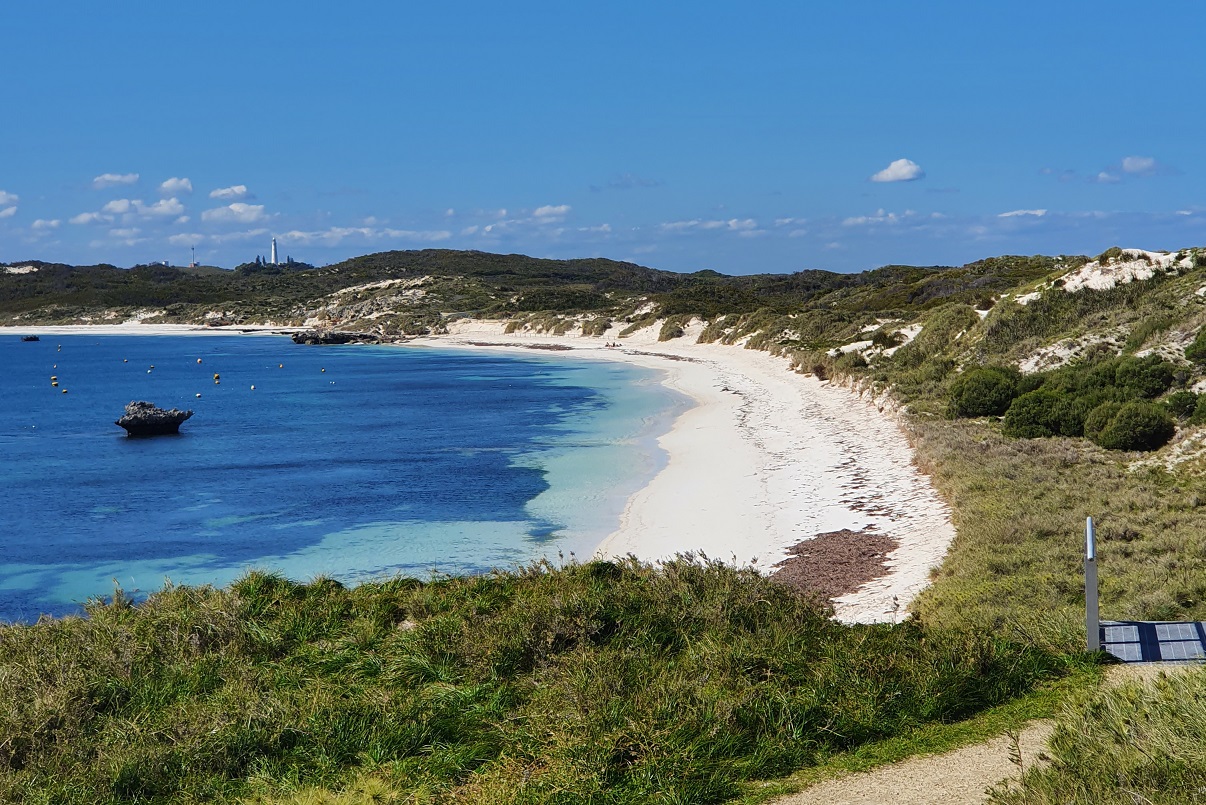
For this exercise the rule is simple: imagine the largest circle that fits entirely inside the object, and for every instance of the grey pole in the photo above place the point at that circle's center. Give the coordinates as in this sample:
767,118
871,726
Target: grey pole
1092,615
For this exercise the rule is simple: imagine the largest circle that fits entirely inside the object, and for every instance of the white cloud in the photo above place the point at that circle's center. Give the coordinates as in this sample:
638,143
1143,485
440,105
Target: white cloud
118,206
551,213
237,212
469,230
238,237
44,224
1018,213
8,198
186,239
337,234
449,212
127,232
732,225
183,219
176,185
232,193
1142,166
8,212
600,228
113,180
165,207
880,217
90,218
1105,177
901,170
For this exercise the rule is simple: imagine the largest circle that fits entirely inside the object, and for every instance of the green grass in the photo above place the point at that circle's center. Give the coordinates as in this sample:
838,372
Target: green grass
601,682
1134,742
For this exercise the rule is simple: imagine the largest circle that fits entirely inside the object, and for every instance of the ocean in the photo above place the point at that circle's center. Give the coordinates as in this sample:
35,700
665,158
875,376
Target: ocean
353,462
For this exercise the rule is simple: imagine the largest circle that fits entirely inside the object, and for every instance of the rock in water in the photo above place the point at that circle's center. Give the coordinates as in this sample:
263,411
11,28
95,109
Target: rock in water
144,419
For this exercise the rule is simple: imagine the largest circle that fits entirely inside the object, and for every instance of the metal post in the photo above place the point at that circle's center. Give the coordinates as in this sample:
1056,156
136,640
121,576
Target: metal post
1092,616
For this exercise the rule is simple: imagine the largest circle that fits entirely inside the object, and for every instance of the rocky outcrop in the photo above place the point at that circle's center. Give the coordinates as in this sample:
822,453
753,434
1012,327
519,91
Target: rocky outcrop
144,419
334,337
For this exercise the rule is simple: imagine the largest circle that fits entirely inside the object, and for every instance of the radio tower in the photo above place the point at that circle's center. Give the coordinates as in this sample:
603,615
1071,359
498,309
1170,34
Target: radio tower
273,261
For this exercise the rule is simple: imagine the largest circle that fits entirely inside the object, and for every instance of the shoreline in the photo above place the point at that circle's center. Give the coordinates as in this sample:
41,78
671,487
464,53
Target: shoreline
765,458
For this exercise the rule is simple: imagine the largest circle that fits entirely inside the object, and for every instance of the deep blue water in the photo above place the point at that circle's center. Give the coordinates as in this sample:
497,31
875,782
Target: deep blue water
354,462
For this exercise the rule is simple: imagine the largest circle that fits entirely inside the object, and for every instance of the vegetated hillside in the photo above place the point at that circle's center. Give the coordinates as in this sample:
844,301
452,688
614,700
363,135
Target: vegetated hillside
476,283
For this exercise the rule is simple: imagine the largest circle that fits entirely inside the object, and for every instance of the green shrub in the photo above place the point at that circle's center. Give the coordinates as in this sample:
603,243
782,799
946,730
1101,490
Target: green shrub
1112,253
1099,419
1130,426
1042,413
1181,404
885,339
1196,352
985,391
1144,377
1198,417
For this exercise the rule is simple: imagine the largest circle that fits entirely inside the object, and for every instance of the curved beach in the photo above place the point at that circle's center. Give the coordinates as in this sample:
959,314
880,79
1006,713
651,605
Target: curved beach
766,458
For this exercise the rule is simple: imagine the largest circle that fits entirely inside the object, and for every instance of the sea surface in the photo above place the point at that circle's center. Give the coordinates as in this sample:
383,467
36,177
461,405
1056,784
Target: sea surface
354,462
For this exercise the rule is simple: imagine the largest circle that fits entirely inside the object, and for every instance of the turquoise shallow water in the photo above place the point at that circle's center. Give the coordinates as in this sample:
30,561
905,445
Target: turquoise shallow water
353,462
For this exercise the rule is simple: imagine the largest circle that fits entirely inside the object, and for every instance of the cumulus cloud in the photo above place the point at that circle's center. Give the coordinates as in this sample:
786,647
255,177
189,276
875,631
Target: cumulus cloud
1019,213
1105,177
900,170
113,180
8,204
90,218
186,239
43,224
235,192
163,208
176,185
1140,166
550,212
237,213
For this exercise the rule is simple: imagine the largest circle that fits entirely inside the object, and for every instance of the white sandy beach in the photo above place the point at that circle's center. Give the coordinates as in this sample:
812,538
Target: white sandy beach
766,458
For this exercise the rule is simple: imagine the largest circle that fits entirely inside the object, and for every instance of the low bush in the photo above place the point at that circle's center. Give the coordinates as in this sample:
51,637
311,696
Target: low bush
984,391
1181,404
1131,426
1041,413
1196,352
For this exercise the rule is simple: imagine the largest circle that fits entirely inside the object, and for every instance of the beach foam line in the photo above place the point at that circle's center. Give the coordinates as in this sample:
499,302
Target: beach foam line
764,460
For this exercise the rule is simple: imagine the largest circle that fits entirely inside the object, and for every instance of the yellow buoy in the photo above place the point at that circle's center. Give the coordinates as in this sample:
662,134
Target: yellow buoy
54,377
280,366
217,376
152,366
54,383
322,370
64,391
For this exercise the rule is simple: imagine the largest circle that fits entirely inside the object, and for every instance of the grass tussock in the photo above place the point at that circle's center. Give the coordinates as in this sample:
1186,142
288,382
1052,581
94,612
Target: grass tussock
1130,743
1019,507
600,682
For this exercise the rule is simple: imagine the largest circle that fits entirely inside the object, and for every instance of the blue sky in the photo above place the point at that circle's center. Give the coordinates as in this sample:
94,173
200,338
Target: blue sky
743,138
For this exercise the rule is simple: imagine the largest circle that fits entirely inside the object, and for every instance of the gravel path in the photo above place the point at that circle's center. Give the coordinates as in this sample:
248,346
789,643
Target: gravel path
954,778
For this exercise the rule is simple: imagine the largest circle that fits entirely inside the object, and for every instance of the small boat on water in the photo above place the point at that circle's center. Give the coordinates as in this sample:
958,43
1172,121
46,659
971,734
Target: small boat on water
30,338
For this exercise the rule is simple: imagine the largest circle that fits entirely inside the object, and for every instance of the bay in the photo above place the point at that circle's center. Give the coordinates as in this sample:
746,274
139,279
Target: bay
353,462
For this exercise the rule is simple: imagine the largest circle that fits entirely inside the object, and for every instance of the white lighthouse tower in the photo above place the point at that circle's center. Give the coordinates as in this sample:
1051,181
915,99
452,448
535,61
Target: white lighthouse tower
273,260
